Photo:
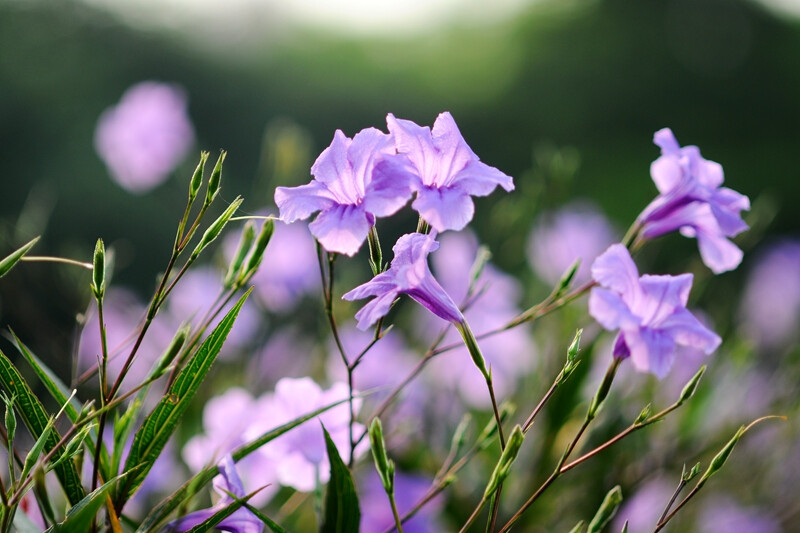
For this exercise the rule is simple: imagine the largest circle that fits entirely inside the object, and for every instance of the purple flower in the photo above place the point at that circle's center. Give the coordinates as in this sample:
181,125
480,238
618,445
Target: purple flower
691,200
376,513
722,515
649,311
447,171
144,137
576,231
408,274
355,180
770,306
241,521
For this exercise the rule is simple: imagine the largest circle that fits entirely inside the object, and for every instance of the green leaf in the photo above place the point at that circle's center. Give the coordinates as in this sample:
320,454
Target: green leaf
12,259
35,417
342,514
199,480
275,527
159,425
80,516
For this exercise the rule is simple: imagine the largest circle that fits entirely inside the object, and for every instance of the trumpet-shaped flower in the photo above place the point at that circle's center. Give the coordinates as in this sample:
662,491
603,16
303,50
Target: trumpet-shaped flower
408,274
355,180
447,171
226,483
649,311
691,200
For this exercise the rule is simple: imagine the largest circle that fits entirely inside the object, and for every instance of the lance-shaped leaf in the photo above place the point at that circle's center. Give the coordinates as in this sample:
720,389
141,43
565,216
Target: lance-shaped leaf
342,514
36,419
80,516
159,425
13,258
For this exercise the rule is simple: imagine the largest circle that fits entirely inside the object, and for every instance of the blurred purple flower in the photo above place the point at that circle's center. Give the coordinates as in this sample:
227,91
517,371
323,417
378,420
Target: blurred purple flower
650,312
691,200
376,513
408,274
722,515
643,510
299,455
241,521
144,137
510,354
770,307
226,418
447,171
576,231
355,180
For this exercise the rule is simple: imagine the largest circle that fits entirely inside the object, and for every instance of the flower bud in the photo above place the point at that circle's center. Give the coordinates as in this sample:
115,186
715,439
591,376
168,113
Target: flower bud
11,419
197,177
691,386
566,279
384,466
214,180
215,229
644,414
606,511
602,391
245,242
503,467
257,253
99,270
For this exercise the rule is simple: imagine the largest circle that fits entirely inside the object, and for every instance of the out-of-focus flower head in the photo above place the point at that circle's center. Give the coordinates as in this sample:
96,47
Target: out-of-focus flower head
376,513
300,454
408,274
691,200
770,307
576,231
447,172
355,180
241,520
723,515
650,312
510,354
226,418
145,136
644,508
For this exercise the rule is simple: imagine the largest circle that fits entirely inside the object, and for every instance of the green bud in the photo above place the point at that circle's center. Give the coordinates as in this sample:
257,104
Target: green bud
719,460
40,489
566,279
375,252
11,418
245,242
578,527
172,351
99,270
197,177
602,391
575,346
73,447
12,259
473,348
383,465
213,181
215,229
606,511
644,414
503,467
691,386
688,476
459,435
257,253
625,527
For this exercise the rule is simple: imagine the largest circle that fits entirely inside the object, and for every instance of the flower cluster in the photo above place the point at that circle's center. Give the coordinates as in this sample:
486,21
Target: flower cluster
374,174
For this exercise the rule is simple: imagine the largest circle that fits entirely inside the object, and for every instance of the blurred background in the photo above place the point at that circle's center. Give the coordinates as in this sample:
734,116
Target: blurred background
562,95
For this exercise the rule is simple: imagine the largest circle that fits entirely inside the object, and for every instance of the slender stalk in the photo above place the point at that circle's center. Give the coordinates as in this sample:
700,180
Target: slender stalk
49,259
395,514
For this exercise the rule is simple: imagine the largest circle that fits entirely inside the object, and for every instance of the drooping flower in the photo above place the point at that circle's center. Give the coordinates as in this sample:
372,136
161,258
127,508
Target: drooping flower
691,200
447,171
241,521
408,274
650,312
355,180
144,137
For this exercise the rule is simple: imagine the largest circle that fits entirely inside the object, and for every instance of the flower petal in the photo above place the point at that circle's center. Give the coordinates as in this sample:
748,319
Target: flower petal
415,141
610,310
298,203
444,208
332,163
686,330
375,309
718,253
479,179
615,270
454,153
341,229
391,186
651,350
662,295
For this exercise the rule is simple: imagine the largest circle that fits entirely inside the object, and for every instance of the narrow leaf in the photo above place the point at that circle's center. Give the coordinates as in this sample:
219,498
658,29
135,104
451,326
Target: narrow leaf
159,425
13,258
80,516
36,418
342,514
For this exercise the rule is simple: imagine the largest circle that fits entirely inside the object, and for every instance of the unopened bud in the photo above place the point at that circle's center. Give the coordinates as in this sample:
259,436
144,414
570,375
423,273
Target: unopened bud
214,180
383,465
566,279
215,229
99,270
644,414
257,253
606,511
245,242
691,386
507,458
197,177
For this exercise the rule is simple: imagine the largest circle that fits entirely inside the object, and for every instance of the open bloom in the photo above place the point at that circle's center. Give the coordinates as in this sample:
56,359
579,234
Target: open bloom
241,521
649,311
408,274
447,171
691,200
144,137
355,180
